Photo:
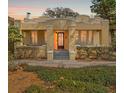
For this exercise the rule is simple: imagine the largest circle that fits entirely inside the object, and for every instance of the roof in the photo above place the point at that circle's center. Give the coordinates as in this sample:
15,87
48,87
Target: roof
82,22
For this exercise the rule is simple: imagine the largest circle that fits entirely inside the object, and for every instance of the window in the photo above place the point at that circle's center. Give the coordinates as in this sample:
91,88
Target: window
90,37
26,39
96,38
83,37
34,37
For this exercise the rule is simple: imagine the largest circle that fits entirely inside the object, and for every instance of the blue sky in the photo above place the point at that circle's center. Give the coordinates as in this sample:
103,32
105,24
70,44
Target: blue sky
18,8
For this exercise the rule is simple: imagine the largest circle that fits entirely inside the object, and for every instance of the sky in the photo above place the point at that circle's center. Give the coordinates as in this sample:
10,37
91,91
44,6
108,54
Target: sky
18,8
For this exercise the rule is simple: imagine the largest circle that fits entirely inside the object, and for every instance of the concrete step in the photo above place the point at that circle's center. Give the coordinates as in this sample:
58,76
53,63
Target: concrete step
61,55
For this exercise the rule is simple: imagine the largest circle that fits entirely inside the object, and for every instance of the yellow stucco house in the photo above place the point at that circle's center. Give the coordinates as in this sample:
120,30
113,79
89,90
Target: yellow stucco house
58,38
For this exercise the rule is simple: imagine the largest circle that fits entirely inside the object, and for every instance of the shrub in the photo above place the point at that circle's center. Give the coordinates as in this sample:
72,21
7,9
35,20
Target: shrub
77,80
33,89
11,64
94,88
80,87
100,74
47,74
70,85
12,67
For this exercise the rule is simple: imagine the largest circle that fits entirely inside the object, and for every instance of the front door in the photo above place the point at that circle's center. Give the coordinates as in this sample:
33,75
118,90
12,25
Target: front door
60,36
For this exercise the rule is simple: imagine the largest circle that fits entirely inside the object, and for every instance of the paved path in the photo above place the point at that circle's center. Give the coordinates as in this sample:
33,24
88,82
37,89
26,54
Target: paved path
66,63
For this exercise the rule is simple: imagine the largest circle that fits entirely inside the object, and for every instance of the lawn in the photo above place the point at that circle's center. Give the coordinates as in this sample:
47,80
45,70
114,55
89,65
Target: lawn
99,79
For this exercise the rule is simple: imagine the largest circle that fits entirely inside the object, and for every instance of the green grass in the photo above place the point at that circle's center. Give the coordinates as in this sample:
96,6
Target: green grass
77,80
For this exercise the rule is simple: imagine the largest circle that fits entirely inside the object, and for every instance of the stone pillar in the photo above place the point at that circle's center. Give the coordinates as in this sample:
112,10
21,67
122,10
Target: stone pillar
105,33
72,39
20,30
77,38
50,42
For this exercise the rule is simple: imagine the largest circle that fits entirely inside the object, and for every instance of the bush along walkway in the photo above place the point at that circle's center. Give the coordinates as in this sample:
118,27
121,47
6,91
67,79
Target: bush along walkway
66,63
97,79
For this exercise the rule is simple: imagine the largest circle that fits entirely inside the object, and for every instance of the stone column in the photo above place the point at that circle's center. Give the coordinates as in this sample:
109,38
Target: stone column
72,39
105,33
20,30
50,42
77,38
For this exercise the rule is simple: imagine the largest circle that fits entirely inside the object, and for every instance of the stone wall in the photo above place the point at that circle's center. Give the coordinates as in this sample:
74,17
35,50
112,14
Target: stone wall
96,53
31,52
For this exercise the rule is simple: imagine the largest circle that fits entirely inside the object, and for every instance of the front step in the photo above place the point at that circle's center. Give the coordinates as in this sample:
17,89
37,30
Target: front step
61,55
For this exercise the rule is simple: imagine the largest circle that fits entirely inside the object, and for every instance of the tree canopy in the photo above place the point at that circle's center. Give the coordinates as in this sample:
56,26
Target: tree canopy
104,8
107,10
60,12
13,37
13,34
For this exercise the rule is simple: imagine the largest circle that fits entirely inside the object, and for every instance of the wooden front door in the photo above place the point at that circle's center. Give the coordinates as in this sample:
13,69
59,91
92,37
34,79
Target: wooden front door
60,36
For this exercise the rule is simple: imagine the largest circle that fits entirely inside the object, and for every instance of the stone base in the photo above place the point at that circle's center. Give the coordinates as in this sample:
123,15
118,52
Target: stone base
31,52
102,53
72,55
50,55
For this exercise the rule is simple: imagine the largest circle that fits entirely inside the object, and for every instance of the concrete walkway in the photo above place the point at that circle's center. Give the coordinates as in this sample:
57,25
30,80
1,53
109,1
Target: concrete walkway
66,63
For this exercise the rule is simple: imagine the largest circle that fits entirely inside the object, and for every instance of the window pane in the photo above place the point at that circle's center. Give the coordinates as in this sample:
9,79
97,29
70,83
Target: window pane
34,37
90,38
83,37
96,38
26,38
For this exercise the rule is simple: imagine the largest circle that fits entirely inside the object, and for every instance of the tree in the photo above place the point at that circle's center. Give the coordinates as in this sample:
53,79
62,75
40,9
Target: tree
13,37
60,12
105,9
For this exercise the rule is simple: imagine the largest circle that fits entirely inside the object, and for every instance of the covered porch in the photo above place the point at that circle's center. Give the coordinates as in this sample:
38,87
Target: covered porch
59,35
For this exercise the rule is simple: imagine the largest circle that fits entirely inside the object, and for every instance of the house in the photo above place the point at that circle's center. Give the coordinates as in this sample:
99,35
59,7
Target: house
58,38
10,21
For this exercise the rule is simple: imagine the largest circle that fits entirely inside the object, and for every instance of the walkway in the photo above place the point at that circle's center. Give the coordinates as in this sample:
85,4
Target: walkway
66,63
